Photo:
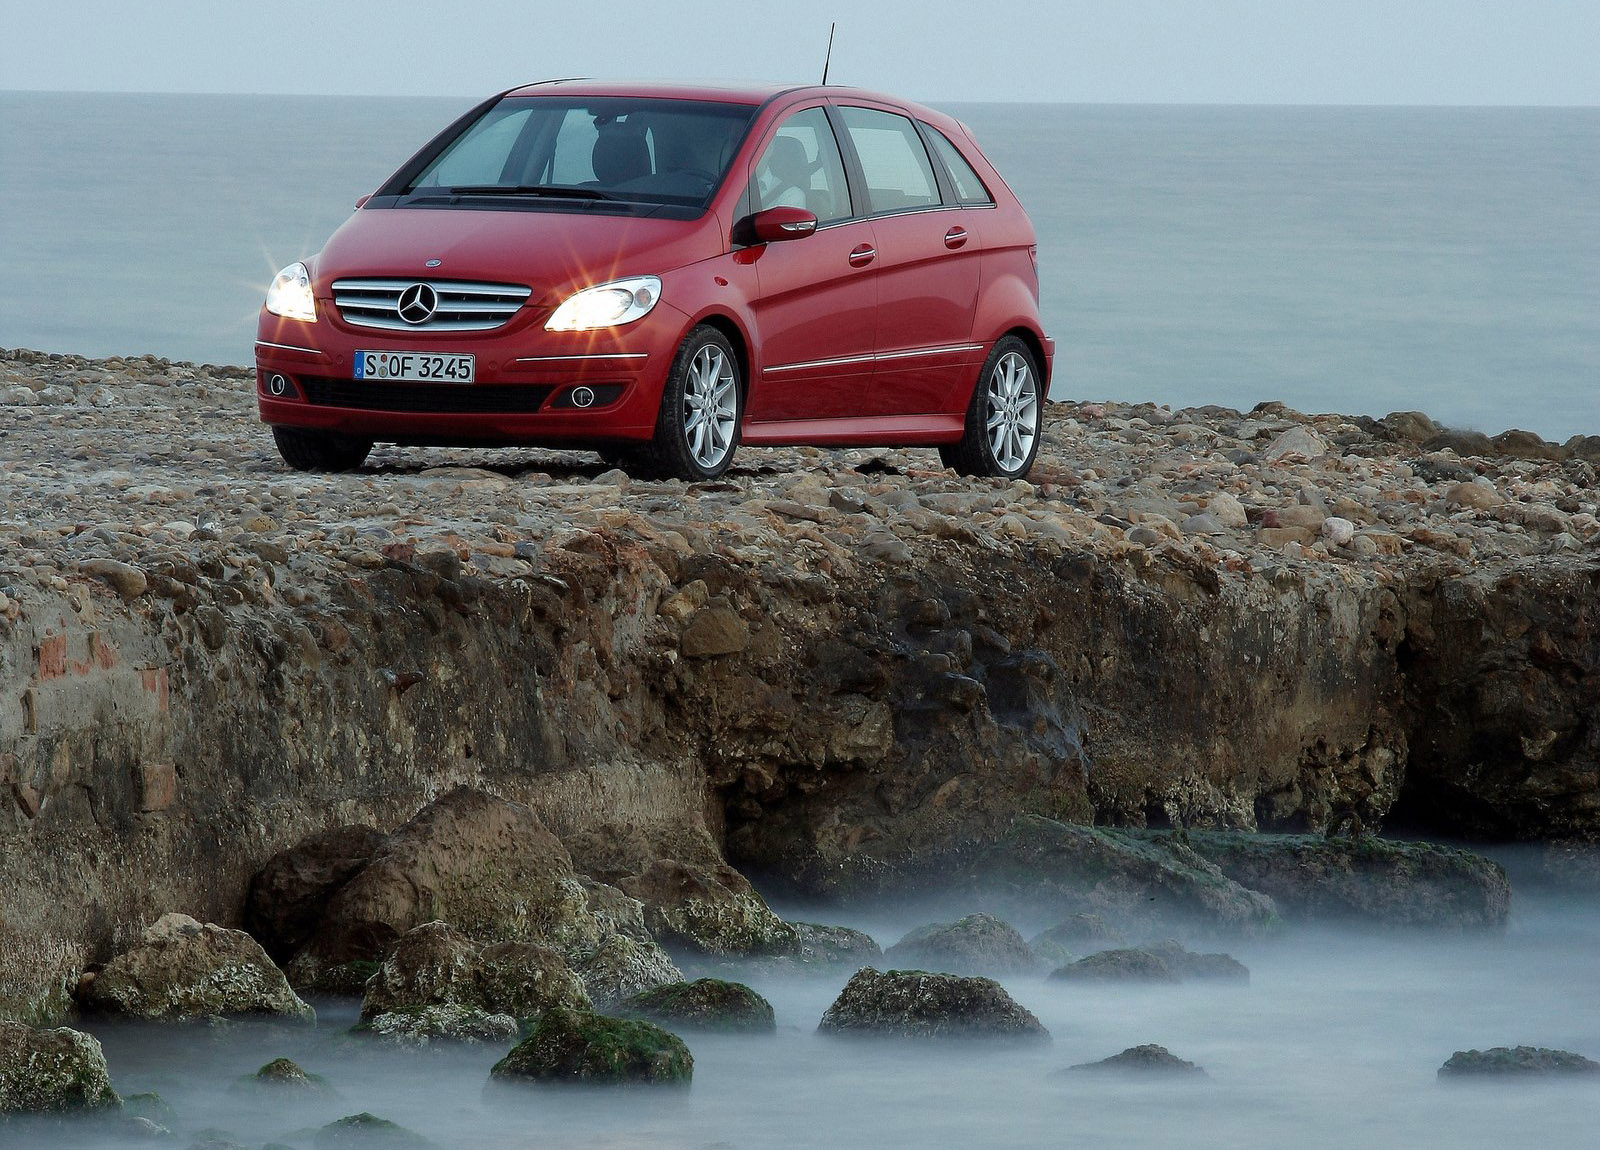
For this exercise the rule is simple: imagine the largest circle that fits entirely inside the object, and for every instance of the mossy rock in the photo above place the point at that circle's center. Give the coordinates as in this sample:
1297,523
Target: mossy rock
285,1076
363,1131
1147,1059
704,1004
440,1022
922,1004
150,1106
52,1072
581,1047
1122,965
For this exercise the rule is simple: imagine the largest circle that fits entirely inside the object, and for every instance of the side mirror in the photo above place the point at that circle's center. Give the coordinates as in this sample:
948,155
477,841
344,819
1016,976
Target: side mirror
362,202
777,224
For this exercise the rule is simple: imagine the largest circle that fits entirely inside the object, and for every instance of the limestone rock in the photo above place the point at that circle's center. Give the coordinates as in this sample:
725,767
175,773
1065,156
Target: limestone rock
368,1132
1129,964
1363,877
51,1071
918,1004
441,1022
1295,441
620,967
1518,1062
1186,964
286,1077
1069,939
287,895
704,1004
835,944
715,630
1147,1059
708,910
976,944
182,969
576,1046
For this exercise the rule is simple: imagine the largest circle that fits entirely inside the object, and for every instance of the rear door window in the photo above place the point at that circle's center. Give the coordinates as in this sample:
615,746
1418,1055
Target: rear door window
894,161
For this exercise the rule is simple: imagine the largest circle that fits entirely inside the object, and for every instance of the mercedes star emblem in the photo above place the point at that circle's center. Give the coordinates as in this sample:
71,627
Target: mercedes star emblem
417,303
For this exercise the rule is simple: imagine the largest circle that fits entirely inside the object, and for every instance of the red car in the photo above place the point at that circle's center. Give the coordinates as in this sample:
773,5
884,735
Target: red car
661,274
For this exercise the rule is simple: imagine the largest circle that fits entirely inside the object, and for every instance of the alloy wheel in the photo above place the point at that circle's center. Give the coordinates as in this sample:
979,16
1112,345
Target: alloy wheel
1013,411
710,406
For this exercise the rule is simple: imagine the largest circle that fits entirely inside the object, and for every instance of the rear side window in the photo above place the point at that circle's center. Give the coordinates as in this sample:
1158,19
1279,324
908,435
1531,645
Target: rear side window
969,188
898,172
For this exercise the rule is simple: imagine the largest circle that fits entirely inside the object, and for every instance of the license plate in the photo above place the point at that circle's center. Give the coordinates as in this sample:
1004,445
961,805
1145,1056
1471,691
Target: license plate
416,366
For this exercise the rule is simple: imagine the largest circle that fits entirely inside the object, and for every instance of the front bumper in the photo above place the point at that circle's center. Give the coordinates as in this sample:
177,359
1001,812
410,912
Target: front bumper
531,385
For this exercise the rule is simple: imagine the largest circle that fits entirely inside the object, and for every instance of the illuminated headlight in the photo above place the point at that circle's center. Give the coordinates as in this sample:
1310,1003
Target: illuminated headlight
290,294
607,305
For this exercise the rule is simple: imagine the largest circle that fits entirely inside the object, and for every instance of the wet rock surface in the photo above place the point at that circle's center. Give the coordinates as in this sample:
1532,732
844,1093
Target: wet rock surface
51,1071
182,969
569,1046
846,670
1146,1059
976,944
920,1004
1126,964
1519,1062
704,1004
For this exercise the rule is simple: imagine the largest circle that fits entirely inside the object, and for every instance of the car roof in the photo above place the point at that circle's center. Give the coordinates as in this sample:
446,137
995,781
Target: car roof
723,93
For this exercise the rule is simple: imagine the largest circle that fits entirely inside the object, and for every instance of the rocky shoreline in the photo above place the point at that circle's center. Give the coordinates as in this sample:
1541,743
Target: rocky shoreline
841,671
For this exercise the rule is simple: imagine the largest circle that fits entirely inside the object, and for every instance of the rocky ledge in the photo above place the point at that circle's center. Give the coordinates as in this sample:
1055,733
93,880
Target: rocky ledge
838,670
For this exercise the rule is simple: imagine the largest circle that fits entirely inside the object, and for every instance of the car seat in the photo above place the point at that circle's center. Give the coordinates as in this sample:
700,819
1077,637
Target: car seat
620,154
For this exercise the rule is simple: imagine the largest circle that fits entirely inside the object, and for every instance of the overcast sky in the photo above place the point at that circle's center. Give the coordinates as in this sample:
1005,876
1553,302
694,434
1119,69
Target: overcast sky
1145,51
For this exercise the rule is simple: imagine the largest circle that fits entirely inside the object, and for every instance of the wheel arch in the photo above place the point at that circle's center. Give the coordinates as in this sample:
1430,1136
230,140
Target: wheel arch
735,334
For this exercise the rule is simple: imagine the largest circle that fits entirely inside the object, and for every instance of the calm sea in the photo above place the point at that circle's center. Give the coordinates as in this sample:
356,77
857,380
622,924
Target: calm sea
1338,259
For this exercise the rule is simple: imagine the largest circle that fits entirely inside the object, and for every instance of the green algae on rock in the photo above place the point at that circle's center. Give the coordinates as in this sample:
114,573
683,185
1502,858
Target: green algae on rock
366,1131
1124,964
286,1076
704,1004
182,969
574,1046
920,1004
52,1071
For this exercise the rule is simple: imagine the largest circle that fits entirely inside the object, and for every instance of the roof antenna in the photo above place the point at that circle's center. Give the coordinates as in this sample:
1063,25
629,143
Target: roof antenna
828,59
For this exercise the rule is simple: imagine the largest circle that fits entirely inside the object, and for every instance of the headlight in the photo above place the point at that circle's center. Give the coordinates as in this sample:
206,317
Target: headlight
290,294
606,305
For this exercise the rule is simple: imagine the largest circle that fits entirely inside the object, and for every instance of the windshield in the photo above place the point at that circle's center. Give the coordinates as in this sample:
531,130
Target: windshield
592,150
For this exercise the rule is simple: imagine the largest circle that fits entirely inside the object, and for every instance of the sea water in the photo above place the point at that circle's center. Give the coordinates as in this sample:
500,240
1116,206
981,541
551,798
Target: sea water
1335,1042
1361,260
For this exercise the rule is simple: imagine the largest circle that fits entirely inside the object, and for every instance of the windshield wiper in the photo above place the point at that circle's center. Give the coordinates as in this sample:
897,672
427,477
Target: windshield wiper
550,191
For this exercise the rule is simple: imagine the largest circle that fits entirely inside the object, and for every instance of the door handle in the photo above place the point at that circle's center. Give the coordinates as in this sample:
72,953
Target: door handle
862,254
955,237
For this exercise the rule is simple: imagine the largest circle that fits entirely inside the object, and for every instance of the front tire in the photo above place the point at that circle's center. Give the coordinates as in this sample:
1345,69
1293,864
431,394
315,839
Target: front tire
702,406
306,450
1005,417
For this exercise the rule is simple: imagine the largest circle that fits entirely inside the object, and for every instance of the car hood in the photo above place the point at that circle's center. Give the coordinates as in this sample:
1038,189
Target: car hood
551,252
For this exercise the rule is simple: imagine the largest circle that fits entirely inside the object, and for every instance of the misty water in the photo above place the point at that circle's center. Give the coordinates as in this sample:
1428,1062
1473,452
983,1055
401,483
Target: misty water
1335,1042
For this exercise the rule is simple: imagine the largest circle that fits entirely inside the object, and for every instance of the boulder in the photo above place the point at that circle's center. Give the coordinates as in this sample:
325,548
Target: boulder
367,1132
1068,940
287,896
1135,883
38,974
182,969
441,1022
834,945
1124,965
1518,1062
435,965
709,910
704,1004
976,944
1186,964
578,1046
286,1077
918,1004
621,967
1147,1059
1363,877
51,1071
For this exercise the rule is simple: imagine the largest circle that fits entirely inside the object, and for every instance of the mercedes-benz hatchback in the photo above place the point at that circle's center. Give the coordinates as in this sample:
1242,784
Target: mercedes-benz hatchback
661,274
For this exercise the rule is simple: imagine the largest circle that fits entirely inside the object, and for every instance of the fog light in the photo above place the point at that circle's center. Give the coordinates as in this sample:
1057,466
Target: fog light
582,397
277,385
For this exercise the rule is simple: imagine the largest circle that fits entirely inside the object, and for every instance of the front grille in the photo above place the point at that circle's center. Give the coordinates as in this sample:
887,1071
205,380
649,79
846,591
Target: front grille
460,306
443,398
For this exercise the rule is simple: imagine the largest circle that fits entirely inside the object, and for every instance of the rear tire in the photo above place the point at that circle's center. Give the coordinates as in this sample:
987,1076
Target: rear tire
306,450
702,405
1005,417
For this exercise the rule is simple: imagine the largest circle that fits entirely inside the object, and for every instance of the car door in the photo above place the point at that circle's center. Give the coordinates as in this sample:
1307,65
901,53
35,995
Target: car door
928,265
816,303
